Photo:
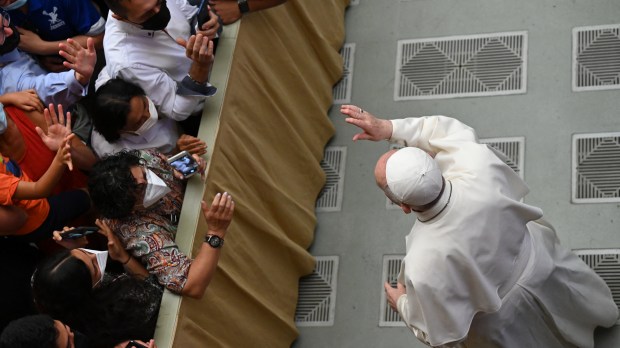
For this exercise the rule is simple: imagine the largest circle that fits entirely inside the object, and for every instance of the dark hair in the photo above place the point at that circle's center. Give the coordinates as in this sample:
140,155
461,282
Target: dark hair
112,187
116,7
112,105
30,331
118,309
60,284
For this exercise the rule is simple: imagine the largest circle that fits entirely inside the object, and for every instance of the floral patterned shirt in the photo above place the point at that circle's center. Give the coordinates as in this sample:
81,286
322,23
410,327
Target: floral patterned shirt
149,233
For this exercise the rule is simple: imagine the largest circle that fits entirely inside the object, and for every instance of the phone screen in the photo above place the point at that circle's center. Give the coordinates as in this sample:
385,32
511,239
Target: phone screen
187,165
79,232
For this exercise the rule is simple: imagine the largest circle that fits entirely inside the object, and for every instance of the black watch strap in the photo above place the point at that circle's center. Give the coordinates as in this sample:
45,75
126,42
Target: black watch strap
243,6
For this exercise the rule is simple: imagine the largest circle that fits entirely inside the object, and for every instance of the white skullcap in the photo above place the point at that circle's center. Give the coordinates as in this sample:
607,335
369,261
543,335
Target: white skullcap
413,176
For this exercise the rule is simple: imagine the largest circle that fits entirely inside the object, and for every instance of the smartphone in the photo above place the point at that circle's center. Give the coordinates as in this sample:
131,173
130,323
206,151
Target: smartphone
203,15
134,344
79,232
184,163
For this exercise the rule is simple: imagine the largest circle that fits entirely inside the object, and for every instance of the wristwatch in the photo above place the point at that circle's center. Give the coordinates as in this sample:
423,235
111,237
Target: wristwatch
243,6
214,241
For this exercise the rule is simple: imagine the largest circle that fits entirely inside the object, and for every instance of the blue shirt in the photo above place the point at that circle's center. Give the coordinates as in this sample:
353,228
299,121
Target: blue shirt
56,20
21,72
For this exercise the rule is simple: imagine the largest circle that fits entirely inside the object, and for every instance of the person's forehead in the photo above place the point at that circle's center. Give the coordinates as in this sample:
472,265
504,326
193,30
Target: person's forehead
139,174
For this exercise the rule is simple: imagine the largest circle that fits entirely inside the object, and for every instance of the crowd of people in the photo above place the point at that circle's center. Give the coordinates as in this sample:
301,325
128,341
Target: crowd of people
95,97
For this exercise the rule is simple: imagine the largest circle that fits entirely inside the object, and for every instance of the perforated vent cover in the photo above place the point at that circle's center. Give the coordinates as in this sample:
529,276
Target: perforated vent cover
606,263
333,164
317,294
342,91
596,168
596,57
461,66
511,149
391,268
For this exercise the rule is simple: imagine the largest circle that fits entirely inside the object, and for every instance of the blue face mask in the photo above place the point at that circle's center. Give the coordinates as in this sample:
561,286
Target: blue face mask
14,6
3,121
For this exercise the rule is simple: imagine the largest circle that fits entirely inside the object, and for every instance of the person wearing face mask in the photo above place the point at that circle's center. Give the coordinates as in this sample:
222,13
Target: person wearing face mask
20,72
75,287
140,198
42,25
176,78
125,118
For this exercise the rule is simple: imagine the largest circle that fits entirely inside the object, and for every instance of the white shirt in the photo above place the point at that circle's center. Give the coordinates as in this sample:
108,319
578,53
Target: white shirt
153,60
485,252
162,136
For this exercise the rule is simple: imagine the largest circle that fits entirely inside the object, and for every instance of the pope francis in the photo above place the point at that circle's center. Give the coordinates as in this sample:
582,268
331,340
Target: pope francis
482,269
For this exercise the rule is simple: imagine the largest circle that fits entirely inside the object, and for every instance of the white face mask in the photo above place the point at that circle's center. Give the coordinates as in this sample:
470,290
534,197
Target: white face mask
150,122
17,4
102,259
156,188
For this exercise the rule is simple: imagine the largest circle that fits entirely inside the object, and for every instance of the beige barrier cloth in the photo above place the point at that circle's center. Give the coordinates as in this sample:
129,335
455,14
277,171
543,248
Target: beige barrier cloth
273,128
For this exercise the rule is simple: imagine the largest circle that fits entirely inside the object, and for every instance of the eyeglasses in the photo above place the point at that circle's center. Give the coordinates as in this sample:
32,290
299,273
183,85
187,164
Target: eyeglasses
6,20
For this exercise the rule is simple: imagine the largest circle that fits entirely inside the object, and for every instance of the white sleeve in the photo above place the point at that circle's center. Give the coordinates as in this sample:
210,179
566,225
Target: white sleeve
429,133
403,309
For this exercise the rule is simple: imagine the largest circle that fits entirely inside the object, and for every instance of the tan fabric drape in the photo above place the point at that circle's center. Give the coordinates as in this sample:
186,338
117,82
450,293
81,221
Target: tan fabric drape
271,138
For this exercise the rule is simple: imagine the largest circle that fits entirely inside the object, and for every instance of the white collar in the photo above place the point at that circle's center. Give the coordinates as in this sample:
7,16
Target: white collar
437,208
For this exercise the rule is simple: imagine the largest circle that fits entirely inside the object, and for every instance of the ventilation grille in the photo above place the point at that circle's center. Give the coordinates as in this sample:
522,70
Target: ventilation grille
511,151
342,91
317,294
606,263
391,268
330,198
596,168
461,66
596,58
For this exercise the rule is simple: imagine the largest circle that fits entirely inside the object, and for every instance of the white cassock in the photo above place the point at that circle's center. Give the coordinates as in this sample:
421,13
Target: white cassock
483,269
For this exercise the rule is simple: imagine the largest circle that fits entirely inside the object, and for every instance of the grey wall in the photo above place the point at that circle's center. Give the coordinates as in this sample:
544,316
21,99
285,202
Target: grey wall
547,116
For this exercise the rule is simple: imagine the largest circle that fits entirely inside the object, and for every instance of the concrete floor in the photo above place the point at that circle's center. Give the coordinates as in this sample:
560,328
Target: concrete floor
546,115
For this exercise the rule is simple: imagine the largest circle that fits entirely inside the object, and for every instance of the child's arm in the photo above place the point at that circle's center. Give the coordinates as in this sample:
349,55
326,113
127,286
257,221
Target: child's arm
43,188
12,218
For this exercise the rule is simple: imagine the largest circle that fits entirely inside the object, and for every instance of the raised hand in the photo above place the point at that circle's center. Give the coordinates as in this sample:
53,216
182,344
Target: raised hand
81,60
115,248
219,214
192,145
58,127
200,50
373,128
227,10
64,152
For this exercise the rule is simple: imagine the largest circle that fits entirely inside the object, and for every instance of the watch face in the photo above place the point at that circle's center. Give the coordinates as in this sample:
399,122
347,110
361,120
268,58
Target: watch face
215,241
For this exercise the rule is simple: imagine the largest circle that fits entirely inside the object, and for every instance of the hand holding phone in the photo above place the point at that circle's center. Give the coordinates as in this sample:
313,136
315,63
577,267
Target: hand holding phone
79,232
184,163
203,15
